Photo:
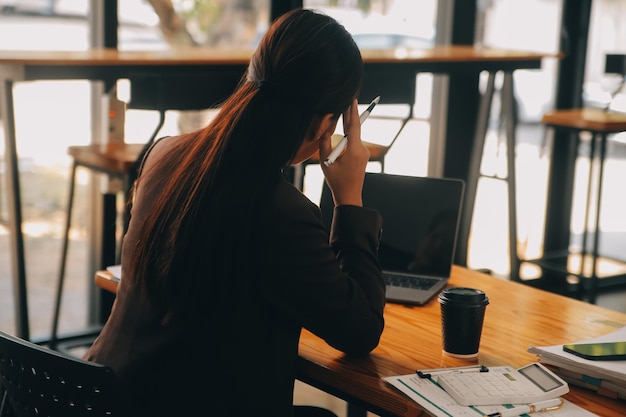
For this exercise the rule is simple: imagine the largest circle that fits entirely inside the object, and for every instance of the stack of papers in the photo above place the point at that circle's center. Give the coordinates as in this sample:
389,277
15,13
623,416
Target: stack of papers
116,271
605,377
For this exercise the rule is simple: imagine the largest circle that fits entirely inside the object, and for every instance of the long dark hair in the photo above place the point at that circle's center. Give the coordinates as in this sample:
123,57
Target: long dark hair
211,207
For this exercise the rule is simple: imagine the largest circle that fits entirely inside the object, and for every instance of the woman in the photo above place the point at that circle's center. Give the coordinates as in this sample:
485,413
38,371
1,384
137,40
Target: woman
224,261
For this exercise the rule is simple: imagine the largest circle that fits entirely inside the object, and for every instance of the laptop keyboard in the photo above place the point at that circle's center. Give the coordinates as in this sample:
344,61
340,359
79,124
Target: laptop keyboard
398,280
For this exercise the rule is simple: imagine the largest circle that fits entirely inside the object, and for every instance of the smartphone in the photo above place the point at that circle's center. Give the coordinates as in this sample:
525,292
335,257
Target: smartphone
610,351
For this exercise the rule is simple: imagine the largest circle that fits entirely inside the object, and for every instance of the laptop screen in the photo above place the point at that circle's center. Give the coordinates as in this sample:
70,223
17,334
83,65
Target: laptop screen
420,220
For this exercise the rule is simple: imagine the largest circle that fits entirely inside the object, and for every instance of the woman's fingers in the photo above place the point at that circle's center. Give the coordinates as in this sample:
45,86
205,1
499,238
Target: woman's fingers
351,118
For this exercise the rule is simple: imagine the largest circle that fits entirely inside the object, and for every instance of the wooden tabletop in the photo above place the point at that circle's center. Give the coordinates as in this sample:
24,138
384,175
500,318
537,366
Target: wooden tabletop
595,120
517,317
110,56
201,55
105,62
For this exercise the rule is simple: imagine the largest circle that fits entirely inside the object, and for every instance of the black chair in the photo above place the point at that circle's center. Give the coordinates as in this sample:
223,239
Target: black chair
37,381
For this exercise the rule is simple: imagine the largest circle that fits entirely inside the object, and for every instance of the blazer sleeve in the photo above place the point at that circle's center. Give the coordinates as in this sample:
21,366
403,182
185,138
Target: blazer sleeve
333,285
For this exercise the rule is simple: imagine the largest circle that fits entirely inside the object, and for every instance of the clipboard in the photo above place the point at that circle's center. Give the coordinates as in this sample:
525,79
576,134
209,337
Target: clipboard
430,396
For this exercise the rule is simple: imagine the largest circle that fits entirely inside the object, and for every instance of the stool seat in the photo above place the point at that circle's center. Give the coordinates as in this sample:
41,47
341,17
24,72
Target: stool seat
113,158
596,120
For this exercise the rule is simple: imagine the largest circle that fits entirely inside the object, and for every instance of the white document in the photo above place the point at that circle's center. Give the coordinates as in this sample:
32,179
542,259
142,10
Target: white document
115,270
612,370
439,403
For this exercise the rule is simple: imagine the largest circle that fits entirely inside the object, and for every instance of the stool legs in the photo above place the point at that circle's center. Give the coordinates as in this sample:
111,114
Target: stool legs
508,113
583,252
593,275
14,206
474,170
109,250
61,278
593,285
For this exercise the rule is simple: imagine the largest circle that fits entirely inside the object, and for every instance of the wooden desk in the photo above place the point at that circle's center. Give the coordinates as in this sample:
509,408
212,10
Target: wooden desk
389,73
517,316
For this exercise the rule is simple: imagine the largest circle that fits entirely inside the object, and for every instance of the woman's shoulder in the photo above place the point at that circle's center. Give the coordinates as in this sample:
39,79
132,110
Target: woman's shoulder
162,145
289,201
156,152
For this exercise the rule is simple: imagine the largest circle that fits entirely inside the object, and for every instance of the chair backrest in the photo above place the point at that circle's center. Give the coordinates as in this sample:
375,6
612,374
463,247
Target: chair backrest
193,92
37,381
615,64
162,93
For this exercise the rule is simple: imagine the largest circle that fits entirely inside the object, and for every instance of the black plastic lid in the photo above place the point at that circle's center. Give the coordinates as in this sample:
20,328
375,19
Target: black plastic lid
463,295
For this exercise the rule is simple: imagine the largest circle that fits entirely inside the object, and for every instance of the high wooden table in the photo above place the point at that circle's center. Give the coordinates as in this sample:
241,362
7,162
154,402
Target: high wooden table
388,73
517,317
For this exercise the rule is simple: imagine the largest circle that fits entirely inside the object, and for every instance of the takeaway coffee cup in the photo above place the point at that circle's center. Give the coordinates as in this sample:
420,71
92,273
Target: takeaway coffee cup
462,314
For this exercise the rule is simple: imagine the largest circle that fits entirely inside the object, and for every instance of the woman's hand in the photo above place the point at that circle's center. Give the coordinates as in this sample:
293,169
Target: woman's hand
345,175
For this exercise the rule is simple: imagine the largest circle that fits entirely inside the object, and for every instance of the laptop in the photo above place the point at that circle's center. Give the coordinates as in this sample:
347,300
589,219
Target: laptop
421,218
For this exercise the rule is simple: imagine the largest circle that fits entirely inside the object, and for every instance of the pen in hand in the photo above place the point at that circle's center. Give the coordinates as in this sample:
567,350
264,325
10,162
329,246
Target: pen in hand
519,410
334,154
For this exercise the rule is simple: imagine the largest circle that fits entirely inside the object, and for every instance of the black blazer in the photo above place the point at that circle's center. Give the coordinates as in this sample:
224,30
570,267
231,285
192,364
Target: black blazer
240,359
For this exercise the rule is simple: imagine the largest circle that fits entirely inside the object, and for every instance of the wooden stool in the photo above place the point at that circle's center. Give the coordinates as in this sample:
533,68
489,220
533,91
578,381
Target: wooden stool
587,265
117,160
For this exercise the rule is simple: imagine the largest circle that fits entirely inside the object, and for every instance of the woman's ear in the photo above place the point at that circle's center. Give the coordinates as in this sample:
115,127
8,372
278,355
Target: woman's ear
325,124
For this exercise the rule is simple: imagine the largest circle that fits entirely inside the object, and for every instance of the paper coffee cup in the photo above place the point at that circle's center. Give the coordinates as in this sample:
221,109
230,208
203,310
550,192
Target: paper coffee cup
462,316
